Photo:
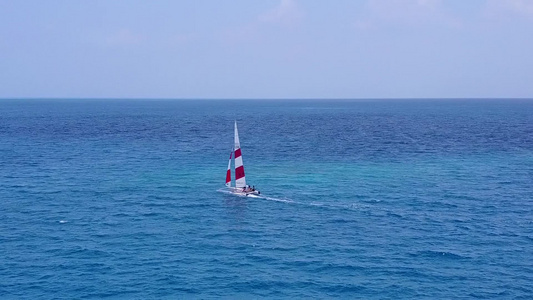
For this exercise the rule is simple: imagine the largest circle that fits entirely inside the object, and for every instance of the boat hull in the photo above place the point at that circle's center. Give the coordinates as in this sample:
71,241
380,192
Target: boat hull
240,192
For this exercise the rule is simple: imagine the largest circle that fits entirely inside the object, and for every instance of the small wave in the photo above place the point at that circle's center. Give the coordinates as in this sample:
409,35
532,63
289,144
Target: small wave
340,289
439,254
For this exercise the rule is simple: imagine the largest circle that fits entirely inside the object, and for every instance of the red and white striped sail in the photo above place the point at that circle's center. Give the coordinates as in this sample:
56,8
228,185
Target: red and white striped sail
228,173
240,180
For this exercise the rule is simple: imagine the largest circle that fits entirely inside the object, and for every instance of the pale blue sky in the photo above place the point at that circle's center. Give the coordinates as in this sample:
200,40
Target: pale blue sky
266,48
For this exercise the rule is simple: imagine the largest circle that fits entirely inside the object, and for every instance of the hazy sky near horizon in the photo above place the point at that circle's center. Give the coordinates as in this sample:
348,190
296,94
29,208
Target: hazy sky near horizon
266,48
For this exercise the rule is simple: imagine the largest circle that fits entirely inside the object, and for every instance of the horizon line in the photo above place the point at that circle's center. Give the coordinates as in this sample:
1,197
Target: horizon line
266,99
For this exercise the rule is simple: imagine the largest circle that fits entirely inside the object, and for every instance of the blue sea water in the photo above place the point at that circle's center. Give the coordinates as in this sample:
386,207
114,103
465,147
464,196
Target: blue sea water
364,199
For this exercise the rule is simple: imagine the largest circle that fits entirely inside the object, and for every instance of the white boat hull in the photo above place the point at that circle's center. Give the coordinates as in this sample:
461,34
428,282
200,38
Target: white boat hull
240,192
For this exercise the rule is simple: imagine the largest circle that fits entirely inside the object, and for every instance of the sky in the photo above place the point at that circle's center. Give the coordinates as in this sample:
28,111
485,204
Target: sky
266,49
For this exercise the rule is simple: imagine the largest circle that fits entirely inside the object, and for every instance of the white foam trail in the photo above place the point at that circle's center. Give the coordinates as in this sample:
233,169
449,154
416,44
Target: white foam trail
278,199
312,204
256,196
224,191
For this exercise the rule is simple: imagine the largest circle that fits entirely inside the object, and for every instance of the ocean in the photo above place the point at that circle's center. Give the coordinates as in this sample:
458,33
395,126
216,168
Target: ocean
362,199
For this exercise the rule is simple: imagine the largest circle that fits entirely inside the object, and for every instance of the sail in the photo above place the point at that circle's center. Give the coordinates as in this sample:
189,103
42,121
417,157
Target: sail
228,173
240,180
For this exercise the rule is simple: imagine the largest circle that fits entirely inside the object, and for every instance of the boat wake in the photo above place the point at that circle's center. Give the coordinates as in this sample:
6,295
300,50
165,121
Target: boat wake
230,192
280,200
318,205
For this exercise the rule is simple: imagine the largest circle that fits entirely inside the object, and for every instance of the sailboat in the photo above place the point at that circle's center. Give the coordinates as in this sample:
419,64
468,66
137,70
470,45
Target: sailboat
240,188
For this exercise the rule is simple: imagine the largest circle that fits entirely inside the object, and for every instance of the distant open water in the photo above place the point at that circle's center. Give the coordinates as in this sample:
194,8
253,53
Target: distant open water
423,199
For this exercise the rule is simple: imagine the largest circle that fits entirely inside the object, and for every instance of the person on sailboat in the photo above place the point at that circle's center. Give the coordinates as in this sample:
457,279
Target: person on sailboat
248,189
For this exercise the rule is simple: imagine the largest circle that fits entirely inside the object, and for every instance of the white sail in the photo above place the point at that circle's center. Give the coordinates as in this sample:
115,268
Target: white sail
240,180
240,188
228,172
